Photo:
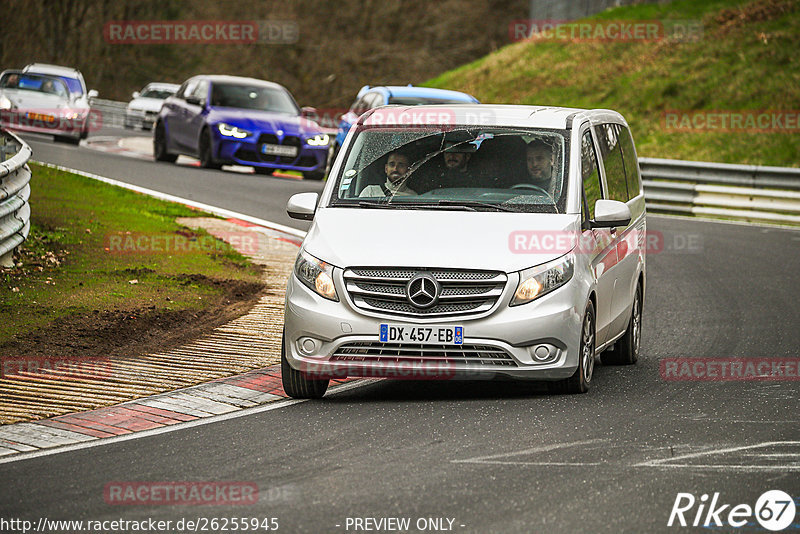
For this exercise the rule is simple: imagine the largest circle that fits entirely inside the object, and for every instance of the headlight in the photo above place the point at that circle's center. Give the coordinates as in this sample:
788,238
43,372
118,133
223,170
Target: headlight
316,274
5,103
232,131
542,279
318,140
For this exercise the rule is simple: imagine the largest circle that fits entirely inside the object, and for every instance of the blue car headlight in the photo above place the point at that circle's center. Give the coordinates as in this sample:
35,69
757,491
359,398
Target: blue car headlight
318,140
232,131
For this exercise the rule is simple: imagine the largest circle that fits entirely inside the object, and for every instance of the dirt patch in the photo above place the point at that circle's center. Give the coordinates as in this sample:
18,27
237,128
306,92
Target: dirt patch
135,332
759,11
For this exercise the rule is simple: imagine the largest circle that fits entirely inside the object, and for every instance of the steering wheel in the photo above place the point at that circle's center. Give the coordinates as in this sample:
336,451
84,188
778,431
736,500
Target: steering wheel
530,186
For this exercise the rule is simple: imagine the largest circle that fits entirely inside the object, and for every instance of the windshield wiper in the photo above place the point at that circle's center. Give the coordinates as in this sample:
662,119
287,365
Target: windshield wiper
475,204
383,204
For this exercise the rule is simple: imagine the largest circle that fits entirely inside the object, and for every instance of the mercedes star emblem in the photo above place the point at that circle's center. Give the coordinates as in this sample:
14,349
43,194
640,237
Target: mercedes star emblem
423,290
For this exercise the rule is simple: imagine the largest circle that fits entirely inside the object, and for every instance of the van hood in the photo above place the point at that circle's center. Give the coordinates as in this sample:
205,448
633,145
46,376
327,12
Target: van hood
351,237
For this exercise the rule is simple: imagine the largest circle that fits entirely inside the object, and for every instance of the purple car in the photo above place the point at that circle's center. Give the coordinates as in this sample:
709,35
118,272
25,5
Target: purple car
230,120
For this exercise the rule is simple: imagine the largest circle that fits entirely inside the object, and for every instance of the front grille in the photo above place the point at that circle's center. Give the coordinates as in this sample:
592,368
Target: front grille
272,139
410,354
463,292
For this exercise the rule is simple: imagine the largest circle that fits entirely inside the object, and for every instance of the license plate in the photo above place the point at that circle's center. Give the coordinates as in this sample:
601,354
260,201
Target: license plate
279,150
434,335
41,117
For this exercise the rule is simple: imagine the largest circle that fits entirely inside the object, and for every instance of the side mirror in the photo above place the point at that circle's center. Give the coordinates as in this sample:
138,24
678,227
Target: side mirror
197,101
610,214
135,94
302,206
308,111
93,93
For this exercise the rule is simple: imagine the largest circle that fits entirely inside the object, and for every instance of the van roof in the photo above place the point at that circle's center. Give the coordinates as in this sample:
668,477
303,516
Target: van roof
488,115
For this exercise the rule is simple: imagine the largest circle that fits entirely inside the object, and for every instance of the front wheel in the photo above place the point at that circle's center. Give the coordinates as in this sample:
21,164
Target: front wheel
160,145
206,151
296,384
626,351
579,382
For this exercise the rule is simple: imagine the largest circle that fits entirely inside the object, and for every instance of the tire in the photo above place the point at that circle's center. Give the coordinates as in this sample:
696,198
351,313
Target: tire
314,175
266,171
626,350
160,145
296,384
579,382
205,150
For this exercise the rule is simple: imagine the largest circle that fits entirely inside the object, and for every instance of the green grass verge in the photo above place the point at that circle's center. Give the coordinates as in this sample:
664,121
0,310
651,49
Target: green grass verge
70,265
746,60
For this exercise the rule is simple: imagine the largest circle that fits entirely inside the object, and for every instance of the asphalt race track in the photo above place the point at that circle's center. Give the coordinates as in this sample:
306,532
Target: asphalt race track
490,456
253,194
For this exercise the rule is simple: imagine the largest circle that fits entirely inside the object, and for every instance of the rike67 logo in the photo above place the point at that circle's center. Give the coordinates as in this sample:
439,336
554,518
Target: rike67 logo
774,510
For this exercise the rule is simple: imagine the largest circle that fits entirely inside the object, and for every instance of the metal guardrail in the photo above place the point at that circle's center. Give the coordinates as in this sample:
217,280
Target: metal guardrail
15,190
112,112
741,192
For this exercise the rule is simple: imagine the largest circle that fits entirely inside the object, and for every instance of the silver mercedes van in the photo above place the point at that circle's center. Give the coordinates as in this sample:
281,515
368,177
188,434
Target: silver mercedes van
470,242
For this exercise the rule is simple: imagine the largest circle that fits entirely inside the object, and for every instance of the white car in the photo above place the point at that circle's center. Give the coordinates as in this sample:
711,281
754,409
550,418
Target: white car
44,103
143,110
468,241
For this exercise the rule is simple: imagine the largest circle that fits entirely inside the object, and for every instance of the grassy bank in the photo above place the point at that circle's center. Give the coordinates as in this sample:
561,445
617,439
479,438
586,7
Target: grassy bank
746,59
104,262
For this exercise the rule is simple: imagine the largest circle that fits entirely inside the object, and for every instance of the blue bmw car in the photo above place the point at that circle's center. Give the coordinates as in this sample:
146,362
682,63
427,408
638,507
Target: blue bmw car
230,120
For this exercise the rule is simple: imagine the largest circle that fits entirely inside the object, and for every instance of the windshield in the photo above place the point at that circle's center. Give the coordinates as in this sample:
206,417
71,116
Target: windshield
160,94
257,97
52,85
463,167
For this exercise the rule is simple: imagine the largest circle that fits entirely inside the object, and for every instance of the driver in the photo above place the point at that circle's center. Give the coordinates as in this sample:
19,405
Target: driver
455,173
540,160
397,165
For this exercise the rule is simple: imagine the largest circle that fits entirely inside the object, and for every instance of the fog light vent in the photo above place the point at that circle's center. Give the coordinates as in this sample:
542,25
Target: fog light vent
543,353
307,345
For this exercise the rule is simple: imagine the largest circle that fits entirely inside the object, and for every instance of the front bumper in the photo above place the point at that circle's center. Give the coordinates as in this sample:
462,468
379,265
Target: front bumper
335,327
248,152
18,120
